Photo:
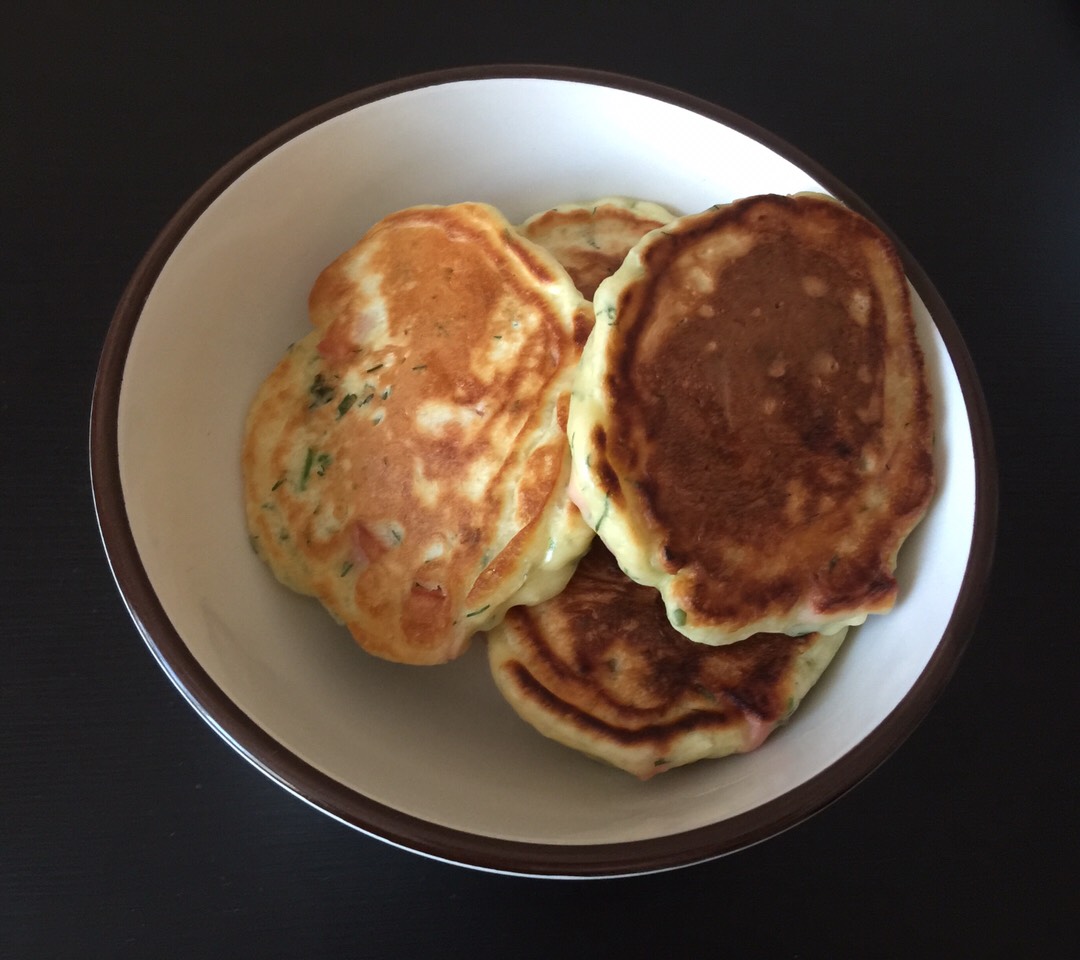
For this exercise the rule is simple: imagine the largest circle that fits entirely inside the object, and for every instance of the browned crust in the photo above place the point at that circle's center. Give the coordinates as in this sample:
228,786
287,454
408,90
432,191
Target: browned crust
590,241
758,417
601,661
464,320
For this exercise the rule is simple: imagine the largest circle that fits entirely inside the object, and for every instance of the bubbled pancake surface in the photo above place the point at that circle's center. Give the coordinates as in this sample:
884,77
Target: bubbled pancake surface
599,669
751,427
591,239
407,462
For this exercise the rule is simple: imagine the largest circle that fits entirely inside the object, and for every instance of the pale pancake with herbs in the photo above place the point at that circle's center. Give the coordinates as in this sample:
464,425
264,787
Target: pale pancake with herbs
407,462
591,239
750,428
599,669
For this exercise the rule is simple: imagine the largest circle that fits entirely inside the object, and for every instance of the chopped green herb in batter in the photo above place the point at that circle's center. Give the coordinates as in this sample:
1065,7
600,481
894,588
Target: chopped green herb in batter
603,515
309,460
321,391
347,401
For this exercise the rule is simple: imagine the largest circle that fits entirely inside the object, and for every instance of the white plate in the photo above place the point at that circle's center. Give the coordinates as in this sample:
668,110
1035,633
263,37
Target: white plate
432,758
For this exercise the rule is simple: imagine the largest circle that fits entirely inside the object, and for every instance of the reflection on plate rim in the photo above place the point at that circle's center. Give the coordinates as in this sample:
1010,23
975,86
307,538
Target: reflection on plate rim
403,830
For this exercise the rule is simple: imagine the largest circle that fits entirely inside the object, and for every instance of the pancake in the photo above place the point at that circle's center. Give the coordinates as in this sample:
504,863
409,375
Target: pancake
599,669
406,462
591,239
750,428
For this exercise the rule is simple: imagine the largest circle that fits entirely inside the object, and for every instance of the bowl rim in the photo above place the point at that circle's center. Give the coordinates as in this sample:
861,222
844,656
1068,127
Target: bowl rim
443,843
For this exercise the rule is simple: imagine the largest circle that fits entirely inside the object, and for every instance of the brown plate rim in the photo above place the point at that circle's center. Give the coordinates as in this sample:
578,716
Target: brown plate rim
443,843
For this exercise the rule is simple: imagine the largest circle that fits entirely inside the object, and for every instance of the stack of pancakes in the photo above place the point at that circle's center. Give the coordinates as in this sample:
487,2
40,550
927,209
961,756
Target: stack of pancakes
663,508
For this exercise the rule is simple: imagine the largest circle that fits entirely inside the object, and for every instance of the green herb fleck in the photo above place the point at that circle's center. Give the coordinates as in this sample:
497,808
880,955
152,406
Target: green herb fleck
420,366
367,400
377,366
661,762
323,460
603,515
321,391
346,567
277,483
386,393
678,616
476,613
347,401
497,336
309,461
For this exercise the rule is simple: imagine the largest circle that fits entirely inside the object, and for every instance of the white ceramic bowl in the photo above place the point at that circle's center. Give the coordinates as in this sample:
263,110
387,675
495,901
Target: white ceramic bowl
431,758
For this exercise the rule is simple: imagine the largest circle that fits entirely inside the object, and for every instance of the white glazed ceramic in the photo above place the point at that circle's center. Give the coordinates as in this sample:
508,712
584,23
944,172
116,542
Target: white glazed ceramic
432,758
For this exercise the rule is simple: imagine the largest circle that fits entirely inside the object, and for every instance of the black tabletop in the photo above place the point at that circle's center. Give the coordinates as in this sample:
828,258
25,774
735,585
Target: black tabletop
128,828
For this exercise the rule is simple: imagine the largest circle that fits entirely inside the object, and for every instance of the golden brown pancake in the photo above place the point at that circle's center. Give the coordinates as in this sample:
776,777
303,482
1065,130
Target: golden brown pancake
599,668
751,428
407,462
591,239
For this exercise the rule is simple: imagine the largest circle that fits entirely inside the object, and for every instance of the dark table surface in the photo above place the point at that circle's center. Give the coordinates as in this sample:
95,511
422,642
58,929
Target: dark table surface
128,828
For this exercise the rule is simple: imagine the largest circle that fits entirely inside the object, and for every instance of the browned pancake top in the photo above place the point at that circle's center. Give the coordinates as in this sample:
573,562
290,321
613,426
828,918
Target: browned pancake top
591,241
400,459
769,402
603,658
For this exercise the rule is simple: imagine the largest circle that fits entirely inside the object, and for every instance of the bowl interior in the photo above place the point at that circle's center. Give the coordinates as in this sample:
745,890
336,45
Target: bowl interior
438,743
